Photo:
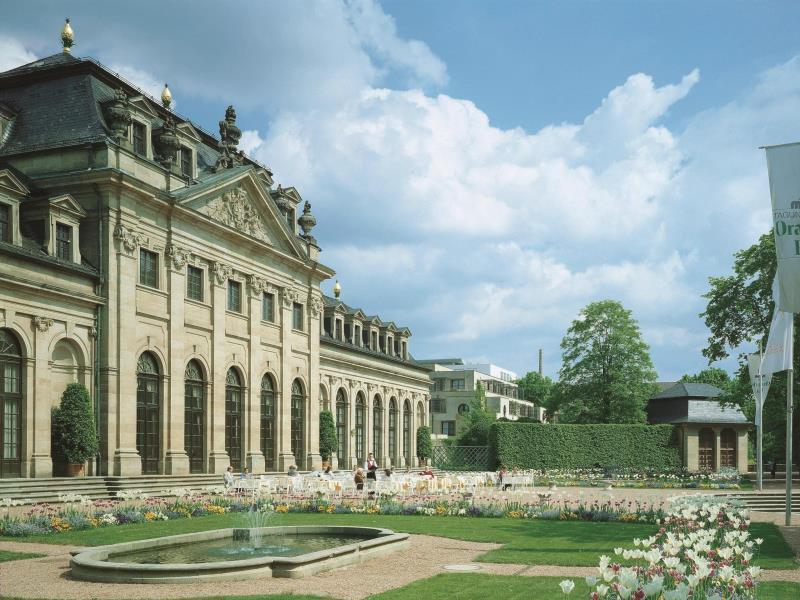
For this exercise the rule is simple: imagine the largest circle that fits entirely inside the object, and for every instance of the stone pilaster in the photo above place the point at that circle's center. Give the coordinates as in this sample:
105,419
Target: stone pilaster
39,410
741,450
283,408
176,461
254,458
127,461
717,453
218,459
313,457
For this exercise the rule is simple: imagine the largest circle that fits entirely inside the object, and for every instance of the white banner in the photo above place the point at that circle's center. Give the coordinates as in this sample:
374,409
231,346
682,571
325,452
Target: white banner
760,383
778,353
783,165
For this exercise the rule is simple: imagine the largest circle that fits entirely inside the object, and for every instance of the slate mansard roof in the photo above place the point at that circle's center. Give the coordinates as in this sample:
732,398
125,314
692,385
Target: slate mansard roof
349,310
693,403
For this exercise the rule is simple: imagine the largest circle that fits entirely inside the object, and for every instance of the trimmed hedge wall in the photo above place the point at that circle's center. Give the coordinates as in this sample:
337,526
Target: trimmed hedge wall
562,446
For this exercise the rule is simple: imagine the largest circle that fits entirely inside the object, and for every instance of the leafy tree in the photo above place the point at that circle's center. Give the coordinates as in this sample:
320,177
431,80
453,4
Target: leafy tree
474,425
536,388
712,376
424,443
606,374
738,315
73,426
328,440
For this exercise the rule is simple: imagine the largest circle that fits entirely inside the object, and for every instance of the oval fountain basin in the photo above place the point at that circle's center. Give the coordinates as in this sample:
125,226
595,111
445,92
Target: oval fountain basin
238,554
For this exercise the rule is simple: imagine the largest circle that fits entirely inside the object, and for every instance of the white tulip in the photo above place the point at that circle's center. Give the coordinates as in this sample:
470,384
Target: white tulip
567,586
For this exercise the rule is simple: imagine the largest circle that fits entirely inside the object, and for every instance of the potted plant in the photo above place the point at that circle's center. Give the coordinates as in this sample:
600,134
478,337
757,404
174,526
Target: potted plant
73,429
328,441
424,444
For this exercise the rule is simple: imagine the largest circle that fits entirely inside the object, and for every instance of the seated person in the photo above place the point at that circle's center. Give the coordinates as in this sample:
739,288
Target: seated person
227,477
359,478
292,471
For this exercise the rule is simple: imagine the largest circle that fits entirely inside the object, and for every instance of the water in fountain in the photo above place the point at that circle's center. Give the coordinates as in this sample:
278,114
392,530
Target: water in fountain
258,517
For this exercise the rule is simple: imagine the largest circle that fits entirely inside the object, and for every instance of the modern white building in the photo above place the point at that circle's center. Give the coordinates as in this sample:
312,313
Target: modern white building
453,384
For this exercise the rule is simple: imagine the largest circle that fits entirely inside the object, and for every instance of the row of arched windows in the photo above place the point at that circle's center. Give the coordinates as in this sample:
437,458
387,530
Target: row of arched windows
360,431
148,416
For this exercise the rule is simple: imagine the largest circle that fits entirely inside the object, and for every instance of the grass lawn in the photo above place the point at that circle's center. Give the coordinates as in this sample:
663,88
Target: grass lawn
6,555
564,543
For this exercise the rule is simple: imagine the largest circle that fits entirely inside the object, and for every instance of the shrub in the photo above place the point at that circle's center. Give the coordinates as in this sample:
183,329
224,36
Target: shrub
328,440
73,425
561,446
424,444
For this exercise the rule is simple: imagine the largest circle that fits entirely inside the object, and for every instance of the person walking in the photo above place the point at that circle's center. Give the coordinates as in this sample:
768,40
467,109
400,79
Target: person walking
371,467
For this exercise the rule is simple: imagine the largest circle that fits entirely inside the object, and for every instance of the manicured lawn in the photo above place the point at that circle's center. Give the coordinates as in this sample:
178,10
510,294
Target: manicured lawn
6,555
565,543
475,586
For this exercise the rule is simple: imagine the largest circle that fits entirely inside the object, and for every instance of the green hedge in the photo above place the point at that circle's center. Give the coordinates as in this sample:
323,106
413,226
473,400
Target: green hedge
562,446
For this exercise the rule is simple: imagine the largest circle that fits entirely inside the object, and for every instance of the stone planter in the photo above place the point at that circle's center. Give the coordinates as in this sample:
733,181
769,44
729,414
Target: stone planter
73,469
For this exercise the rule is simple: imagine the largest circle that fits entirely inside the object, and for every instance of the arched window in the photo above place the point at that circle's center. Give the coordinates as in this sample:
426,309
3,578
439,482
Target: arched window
233,418
194,415
268,422
298,415
706,459
11,405
361,427
148,412
393,431
727,448
377,427
341,426
407,432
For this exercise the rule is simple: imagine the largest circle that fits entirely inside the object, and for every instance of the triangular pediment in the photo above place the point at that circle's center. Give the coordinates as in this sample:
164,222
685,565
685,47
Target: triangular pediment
242,205
67,203
144,105
187,128
10,184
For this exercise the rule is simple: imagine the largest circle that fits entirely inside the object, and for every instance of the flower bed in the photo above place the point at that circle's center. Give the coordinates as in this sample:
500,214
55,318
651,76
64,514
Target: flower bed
703,550
78,513
637,478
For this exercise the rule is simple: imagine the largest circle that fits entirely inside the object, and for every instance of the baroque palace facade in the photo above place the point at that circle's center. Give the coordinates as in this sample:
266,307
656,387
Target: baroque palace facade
164,270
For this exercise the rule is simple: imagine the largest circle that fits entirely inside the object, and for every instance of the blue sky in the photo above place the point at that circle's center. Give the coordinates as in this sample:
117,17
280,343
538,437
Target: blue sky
483,170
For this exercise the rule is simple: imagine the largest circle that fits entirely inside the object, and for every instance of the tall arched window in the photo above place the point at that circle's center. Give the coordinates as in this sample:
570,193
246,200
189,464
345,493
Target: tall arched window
393,431
341,426
233,418
194,415
11,405
727,448
377,427
407,432
706,459
361,427
268,422
148,412
298,414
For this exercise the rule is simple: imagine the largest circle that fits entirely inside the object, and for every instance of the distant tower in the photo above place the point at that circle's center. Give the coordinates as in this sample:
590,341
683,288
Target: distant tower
541,371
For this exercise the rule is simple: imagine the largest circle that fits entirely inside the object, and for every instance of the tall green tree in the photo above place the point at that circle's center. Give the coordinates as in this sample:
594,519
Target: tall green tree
328,440
606,374
474,426
738,315
536,388
713,376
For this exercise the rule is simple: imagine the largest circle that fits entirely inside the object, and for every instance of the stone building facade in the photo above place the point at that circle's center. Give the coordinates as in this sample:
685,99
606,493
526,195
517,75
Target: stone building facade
164,270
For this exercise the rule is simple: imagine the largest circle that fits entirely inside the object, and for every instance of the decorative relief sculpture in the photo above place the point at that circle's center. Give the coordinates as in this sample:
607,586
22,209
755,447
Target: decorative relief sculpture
127,239
178,256
43,324
289,297
235,209
316,306
259,285
222,272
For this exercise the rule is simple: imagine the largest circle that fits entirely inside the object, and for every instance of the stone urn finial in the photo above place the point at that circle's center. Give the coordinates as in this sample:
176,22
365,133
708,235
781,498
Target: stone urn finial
307,221
118,115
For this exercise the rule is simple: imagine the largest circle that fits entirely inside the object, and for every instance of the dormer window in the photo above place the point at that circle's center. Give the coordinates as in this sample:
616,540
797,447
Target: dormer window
5,223
187,162
64,241
139,131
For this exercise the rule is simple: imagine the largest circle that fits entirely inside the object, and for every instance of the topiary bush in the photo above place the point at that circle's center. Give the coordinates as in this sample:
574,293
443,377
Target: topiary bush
328,440
424,444
73,426
562,446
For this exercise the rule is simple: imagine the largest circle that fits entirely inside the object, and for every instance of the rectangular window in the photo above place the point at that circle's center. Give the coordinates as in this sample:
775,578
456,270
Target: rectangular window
234,296
194,283
148,268
438,385
438,405
457,384
139,139
338,329
297,316
5,223
63,241
186,162
365,339
374,345
268,307
449,428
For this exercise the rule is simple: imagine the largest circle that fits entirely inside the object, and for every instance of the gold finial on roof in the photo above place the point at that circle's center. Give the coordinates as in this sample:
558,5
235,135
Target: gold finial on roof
67,36
166,96
337,289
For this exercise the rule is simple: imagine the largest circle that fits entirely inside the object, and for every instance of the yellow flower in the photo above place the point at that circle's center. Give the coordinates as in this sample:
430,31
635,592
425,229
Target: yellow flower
149,516
331,508
282,508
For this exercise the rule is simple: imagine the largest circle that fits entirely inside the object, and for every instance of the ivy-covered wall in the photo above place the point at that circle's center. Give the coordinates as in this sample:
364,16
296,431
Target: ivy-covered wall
562,446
